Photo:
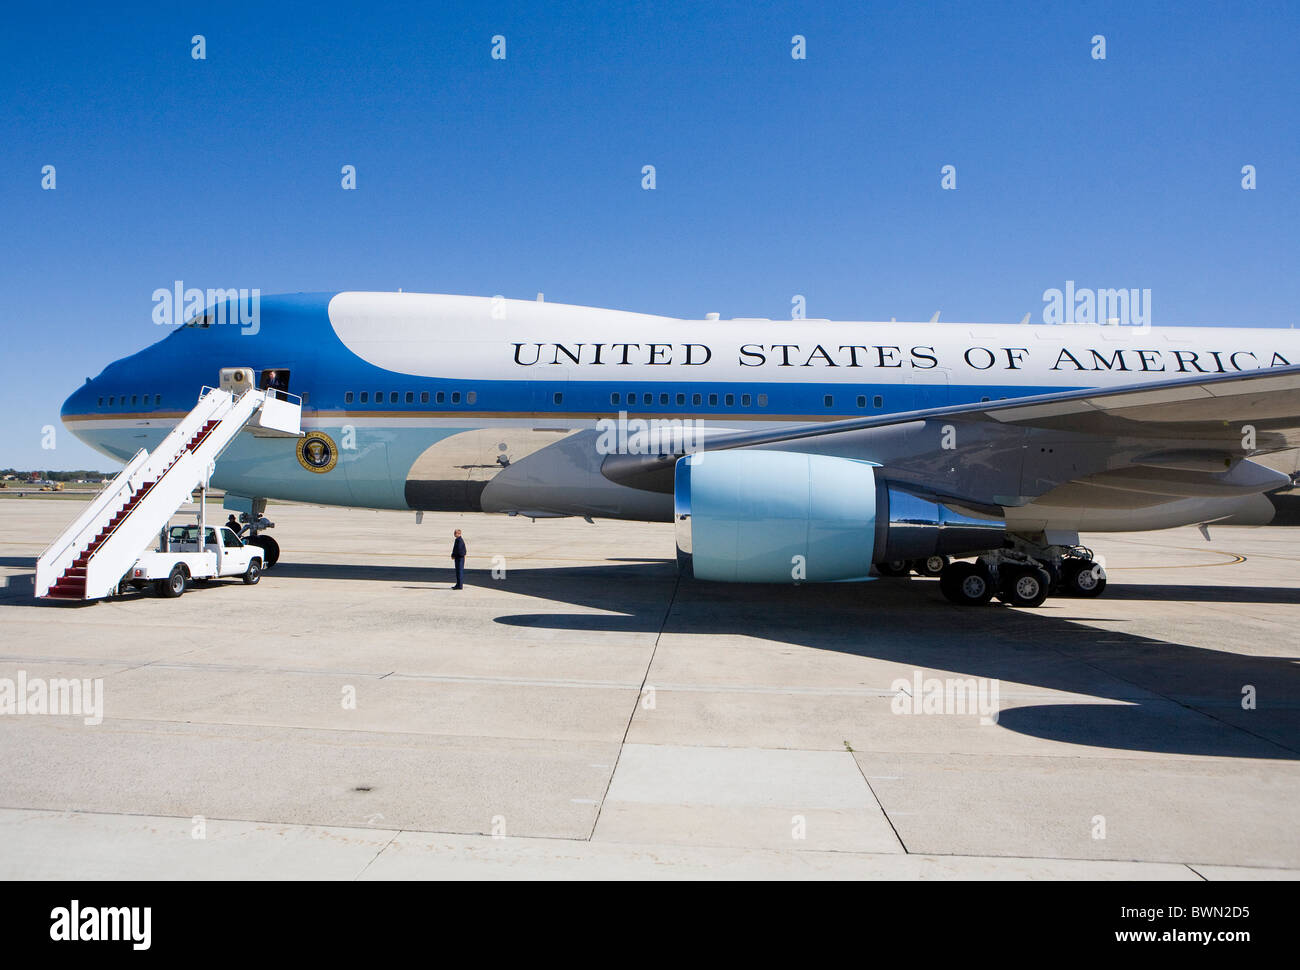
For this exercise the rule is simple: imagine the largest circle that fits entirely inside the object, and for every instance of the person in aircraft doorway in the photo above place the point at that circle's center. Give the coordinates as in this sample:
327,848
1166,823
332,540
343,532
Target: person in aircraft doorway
458,557
275,380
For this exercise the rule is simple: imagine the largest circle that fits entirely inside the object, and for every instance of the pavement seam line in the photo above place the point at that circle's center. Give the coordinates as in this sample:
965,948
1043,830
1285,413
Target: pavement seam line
879,804
550,838
377,855
627,728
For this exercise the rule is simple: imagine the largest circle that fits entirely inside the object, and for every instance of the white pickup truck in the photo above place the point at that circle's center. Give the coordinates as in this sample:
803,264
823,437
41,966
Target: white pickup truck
180,561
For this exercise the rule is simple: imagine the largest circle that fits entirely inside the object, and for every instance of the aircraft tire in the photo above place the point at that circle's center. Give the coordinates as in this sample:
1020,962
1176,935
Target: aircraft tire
1025,586
270,547
931,566
966,584
1085,578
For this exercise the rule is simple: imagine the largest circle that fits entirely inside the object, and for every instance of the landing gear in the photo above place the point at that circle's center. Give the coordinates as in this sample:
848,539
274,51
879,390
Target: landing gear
1083,577
1023,573
966,583
932,566
269,546
1015,582
1023,585
257,522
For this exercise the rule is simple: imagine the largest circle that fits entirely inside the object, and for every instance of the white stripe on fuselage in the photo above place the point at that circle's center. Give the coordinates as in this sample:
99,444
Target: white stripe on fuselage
481,338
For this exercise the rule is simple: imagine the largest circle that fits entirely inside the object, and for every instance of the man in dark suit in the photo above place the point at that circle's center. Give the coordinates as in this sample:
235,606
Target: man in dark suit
458,557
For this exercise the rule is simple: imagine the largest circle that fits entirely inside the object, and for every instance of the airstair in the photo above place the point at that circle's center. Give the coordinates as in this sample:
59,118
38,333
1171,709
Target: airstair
94,553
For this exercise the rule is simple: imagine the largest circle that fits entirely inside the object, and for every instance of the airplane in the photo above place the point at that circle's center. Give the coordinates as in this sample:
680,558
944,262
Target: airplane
784,451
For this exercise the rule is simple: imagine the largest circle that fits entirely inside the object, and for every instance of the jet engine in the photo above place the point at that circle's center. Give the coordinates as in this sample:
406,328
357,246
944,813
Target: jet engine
753,516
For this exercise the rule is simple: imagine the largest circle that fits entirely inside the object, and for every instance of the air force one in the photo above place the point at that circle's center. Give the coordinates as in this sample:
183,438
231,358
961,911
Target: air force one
799,451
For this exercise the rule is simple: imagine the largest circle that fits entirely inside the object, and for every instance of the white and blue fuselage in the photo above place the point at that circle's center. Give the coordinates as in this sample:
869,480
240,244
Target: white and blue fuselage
428,402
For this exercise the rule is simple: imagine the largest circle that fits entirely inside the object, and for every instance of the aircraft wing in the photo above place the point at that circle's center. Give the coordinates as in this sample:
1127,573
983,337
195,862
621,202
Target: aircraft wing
1190,437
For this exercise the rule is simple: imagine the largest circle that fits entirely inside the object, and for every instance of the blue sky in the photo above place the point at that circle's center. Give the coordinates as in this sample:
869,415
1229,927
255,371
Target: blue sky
775,176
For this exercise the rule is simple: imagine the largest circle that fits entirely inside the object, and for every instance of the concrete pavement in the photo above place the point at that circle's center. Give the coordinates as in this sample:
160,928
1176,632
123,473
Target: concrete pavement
578,711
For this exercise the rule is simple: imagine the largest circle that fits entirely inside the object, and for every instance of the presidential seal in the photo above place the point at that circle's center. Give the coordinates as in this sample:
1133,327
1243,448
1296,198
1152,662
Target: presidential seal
317,452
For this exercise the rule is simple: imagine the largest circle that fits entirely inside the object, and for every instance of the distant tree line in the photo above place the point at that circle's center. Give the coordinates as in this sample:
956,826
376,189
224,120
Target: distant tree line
57,476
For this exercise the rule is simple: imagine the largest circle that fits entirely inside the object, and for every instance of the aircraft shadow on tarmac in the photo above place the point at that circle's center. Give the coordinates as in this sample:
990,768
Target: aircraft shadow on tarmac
1172,697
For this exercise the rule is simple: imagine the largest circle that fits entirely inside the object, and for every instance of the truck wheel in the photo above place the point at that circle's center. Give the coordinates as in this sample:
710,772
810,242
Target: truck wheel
253,573
174,585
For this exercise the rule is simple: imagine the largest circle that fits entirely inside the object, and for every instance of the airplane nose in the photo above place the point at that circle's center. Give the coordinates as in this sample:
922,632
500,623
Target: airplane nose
79,401
83,401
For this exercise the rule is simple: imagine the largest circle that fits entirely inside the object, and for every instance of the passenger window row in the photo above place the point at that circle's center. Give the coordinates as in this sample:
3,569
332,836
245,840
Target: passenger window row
633,398
876,401
398,397
127,400
647,399
628,399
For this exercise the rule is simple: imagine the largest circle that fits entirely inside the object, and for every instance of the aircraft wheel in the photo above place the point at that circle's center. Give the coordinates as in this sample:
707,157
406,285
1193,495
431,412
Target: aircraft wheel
1084,578
253,573
1024,585
966,584
270,547
899,567
174,585
931,566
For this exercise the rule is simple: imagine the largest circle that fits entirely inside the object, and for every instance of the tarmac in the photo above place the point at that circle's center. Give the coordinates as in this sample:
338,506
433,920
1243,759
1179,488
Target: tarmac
578,711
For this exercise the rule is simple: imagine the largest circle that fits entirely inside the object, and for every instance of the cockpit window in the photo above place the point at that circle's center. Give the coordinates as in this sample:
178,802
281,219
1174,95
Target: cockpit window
203,319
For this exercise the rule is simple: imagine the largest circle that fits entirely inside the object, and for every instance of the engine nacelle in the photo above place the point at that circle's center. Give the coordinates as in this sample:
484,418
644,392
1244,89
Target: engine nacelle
774,516
750,516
